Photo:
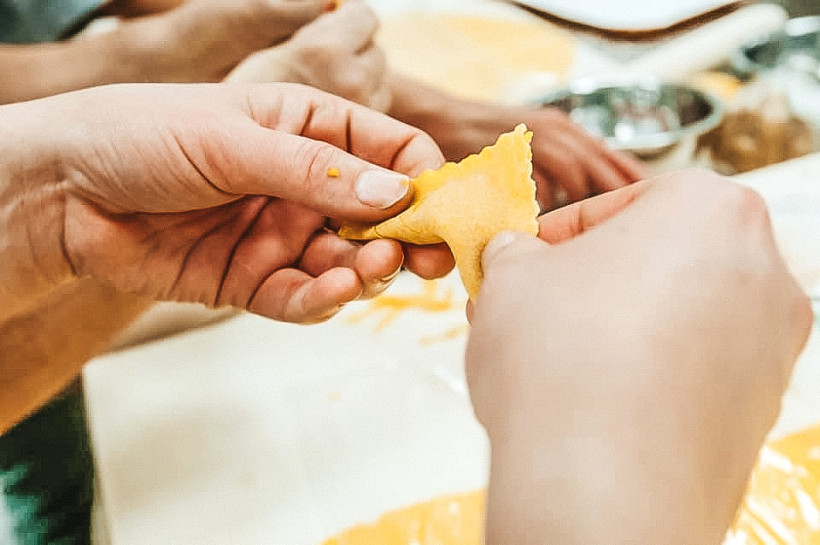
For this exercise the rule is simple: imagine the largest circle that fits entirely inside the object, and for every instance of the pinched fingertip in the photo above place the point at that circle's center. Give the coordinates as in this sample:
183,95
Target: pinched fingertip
381,188
506,243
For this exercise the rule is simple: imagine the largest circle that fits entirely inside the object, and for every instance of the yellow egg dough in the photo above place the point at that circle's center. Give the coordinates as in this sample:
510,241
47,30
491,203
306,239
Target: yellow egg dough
466,204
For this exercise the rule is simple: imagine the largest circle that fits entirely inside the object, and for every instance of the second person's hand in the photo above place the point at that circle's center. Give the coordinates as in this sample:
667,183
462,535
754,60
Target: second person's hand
335,53
628,365
203,40
569,164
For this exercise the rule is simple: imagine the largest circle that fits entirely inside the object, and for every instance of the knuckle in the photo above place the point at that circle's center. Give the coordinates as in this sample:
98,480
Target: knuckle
352,82
725,197
317,156
315,53
746,205
376,65
356,76
800,323
754,210
380,99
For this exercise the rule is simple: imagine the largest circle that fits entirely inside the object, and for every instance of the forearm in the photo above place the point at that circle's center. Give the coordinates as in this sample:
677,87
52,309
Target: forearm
43,349
35,71
559,476
135,51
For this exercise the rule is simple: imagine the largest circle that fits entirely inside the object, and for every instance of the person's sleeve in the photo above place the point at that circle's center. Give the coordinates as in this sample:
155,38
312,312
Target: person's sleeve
32,21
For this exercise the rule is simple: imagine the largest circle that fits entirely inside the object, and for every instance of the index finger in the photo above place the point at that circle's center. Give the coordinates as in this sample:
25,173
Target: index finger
572,220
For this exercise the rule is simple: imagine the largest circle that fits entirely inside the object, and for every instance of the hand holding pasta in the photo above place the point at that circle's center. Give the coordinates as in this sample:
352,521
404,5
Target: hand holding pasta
225,201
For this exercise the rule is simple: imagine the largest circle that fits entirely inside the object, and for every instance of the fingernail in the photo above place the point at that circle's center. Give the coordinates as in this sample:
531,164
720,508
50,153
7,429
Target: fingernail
381,188
390,277
498,243
375,287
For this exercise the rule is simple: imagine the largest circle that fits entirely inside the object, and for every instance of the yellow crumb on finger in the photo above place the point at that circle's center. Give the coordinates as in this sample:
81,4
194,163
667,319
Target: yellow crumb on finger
334,172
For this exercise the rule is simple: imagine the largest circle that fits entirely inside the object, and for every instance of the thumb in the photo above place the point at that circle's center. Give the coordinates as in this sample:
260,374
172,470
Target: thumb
507,247
338,158
321,177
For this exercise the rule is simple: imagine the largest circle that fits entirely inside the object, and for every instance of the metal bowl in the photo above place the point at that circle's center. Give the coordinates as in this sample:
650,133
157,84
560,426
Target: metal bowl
647,117
796,48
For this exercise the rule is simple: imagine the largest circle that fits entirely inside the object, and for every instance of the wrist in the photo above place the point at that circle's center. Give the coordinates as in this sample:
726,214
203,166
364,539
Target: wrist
134,51
576,492
43,70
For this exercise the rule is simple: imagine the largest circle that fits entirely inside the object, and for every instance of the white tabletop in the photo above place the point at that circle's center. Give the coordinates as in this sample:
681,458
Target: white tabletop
252,431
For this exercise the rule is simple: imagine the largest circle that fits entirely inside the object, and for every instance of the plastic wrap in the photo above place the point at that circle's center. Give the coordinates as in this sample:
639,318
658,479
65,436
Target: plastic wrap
781,507
782,504
447,520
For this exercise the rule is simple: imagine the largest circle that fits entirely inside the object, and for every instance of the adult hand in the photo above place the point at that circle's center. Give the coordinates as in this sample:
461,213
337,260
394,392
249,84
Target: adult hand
220,194
334,53
198,41
628,366
203,40
568,163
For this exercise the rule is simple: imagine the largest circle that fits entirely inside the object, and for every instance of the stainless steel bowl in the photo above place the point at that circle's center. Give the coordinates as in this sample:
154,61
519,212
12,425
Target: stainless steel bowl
795,48
647,117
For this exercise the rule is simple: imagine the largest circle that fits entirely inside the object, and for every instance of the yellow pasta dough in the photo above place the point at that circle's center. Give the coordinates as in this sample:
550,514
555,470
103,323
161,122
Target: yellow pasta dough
447,520
466,204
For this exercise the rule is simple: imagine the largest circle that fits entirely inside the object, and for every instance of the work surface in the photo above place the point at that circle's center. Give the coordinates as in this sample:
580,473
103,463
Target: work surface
257,432
254,431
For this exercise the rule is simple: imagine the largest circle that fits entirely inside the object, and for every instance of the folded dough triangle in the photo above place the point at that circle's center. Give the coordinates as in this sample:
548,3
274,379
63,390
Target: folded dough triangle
466,204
